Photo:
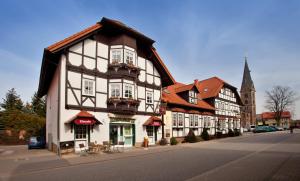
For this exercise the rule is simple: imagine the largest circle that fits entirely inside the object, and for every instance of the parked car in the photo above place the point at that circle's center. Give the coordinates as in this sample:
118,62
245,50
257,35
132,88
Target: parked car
277,128
36,142
252,127
280,128
245,130
262,129
273,128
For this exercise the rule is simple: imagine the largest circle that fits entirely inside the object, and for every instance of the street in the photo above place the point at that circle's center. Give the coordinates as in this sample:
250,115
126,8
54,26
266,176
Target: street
265,156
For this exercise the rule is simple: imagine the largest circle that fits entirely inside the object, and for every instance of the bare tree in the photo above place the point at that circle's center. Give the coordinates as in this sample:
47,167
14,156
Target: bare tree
280,99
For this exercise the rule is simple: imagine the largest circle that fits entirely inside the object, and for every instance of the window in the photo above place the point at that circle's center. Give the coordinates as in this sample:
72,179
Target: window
128,90
116,56
88,87
149,97
174,119
192,97
80,132
149,130
180,119
115,90
129,57
196,121
127,131
205,122
191,120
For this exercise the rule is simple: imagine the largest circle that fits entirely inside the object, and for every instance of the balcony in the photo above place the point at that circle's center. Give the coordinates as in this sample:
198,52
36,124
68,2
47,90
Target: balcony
119,70
122,105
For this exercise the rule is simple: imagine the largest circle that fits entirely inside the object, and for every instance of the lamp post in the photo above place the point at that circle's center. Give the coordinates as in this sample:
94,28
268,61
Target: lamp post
162,111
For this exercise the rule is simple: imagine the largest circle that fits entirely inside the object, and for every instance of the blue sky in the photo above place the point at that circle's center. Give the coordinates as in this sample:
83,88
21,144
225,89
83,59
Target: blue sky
196,39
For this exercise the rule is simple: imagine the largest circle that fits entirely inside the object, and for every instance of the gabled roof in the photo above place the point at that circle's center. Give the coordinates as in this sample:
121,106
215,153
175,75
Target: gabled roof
52,52
187,87
271,115
169,95
210,88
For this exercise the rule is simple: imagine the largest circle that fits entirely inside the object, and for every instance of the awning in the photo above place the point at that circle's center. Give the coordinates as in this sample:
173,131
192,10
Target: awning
153,121
83,118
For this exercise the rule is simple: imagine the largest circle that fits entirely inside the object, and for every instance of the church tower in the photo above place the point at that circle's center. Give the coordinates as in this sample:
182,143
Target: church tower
248,116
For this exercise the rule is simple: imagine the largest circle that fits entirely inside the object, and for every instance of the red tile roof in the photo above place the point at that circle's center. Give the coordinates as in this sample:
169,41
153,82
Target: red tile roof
271,115
74,37
84,114
210,87
169,95
151,121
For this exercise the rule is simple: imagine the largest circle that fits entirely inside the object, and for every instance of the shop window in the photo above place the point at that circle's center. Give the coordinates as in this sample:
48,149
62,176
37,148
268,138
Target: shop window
149,130
127,131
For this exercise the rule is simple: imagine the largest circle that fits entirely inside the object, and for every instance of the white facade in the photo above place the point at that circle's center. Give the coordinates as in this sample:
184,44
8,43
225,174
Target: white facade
82,82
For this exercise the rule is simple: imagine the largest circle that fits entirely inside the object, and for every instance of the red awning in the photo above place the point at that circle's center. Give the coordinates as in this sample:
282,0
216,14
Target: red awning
83,118
153,121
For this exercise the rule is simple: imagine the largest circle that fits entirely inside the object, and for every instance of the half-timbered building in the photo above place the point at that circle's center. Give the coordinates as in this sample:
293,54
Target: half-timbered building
103,84
186,111
226,101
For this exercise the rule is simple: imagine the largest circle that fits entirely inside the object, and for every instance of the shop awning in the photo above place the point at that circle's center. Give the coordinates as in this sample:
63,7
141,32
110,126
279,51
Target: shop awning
83,118
153,121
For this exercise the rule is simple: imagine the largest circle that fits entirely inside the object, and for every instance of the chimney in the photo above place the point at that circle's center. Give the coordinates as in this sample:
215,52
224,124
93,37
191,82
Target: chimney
196,81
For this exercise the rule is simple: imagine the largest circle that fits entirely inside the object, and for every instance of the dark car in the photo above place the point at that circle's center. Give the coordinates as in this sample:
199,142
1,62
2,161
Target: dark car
262,129
36,142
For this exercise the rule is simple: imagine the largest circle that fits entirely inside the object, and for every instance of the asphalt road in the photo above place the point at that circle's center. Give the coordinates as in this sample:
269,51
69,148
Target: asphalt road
270,156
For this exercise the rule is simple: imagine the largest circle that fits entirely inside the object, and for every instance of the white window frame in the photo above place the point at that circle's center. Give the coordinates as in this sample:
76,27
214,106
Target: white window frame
114,55
150,100
128,87
191,120
174,120
180,120
131,55
114,88
196,120
88,87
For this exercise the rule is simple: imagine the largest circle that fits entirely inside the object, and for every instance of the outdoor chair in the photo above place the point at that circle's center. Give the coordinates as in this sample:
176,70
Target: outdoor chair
106,146
121,146
83,150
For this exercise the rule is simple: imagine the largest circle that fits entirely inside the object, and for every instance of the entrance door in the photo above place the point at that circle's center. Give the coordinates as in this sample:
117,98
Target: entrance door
121,132
127,130
113,135
81,136
152,134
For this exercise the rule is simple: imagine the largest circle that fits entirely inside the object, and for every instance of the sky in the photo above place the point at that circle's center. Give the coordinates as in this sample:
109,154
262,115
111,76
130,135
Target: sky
196,39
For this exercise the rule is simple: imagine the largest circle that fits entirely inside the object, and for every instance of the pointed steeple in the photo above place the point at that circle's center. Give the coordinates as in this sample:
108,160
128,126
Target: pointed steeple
247,80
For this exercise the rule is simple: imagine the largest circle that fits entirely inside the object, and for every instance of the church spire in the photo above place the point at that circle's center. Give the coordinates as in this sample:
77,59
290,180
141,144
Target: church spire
247,80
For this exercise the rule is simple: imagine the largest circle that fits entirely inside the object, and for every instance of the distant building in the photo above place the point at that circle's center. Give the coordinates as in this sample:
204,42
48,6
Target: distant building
226,101
268,119
248,116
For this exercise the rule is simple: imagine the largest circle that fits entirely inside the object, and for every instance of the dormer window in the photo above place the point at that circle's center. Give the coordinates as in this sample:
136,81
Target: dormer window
193,97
